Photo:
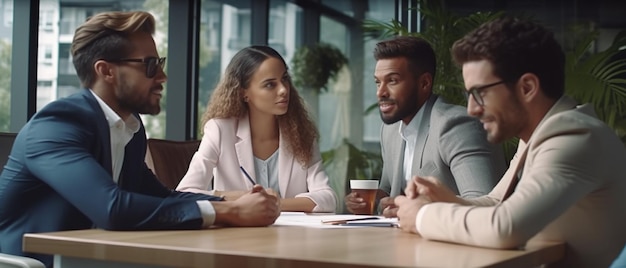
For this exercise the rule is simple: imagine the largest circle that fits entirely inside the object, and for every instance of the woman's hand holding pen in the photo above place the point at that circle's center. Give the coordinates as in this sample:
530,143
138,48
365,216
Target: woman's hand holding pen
254,184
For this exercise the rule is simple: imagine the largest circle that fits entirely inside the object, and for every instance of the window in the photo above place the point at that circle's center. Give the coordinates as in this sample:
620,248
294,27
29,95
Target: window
6,32
381,11
47,20
224,30
283,27
8,13
58,21
340,117
335,105
45,93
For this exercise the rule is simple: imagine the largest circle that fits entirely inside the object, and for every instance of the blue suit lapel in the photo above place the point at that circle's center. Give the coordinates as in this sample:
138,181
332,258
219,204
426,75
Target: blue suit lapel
103,149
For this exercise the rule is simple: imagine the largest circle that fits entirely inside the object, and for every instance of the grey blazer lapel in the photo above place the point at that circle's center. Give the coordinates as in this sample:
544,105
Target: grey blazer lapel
393,150
423,131
400,182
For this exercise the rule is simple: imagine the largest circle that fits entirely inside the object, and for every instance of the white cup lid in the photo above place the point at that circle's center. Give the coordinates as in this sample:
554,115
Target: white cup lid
363,184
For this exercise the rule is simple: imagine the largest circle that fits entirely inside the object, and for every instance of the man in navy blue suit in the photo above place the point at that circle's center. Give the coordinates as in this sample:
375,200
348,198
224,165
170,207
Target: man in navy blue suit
79,162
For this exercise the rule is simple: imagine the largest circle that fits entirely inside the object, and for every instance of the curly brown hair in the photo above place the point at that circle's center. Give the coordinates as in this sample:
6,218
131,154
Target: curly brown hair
296,126
515,47
105,36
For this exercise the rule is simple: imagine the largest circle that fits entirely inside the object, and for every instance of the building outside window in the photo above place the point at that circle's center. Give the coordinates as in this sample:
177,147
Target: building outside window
58,19
225,28
6,33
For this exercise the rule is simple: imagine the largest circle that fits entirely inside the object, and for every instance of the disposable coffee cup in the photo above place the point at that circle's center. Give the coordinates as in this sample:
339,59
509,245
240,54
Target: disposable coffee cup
366,189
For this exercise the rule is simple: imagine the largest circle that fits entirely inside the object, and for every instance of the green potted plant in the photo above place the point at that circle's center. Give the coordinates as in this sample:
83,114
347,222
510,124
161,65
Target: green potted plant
312,67
315,65
596,78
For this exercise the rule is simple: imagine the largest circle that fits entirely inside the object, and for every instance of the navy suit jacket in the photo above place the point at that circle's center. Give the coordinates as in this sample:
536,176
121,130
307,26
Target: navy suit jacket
58,177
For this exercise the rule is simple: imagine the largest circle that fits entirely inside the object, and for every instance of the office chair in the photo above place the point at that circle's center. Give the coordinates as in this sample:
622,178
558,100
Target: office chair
6,143
169,160
13,261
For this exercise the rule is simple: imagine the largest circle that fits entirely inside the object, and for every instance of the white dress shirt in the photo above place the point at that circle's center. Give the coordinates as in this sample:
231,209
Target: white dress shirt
408,132
121,133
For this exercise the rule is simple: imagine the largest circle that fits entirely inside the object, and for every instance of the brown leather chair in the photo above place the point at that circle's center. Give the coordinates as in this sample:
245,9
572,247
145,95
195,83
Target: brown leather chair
6,143
170,159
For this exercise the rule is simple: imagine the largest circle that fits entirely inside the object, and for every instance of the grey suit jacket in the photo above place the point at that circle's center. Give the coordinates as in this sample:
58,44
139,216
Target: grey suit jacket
451,146
572,188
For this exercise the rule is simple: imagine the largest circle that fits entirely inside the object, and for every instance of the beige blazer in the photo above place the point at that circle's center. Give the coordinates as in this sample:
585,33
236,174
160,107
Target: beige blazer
227,145
572,189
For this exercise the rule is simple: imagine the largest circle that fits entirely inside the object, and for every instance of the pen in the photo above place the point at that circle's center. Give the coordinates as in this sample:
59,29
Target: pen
337,222
247,175
371,224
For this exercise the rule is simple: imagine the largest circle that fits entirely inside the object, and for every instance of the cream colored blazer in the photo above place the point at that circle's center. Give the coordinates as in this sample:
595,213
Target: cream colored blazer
572,189
227,145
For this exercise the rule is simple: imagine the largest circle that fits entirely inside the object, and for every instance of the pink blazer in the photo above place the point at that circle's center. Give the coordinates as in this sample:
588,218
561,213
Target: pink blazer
227,144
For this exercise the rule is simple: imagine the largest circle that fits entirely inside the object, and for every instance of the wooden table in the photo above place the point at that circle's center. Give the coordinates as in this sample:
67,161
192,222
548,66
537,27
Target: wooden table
275,246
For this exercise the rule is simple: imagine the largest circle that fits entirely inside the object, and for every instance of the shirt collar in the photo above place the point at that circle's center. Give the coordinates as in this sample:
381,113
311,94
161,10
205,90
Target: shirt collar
131,124
410,130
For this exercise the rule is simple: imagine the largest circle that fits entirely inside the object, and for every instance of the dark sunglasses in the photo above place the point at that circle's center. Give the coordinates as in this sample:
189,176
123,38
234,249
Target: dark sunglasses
152,64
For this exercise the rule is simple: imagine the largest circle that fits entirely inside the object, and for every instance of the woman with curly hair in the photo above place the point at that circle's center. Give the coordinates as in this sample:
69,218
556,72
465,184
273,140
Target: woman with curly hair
258,131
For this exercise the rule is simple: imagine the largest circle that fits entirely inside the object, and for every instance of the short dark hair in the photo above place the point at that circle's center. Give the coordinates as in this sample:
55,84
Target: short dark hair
106,36
417,51
516,47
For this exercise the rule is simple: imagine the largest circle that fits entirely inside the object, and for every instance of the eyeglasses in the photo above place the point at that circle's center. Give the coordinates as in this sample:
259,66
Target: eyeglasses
476,92
152,64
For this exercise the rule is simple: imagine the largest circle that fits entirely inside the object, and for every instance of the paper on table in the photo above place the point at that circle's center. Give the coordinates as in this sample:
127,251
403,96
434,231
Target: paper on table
315,220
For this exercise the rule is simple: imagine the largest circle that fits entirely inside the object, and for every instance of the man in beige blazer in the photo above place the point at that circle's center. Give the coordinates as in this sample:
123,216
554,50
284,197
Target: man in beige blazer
566,181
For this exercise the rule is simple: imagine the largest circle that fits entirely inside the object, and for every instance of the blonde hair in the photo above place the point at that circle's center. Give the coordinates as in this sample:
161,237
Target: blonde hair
105,36
295,126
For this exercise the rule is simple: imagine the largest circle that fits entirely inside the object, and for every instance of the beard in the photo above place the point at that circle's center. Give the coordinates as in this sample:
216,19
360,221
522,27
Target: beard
134,100
405,108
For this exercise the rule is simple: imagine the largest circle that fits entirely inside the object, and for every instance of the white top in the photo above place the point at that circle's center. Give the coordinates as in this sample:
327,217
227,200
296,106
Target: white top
409,135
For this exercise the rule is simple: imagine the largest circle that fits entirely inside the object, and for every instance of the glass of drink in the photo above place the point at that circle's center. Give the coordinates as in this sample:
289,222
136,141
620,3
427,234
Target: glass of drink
365,189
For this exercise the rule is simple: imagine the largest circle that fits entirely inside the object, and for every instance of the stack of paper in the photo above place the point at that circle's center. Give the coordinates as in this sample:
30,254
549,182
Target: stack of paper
321,220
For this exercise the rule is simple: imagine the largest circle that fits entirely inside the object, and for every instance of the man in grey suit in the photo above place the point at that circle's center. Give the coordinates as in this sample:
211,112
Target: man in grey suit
422,134
566,182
